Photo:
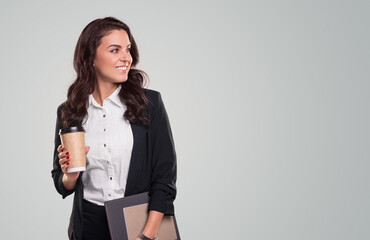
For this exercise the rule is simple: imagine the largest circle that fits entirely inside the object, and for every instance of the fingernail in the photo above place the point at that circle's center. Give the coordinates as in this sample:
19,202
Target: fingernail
67,163
67,153
67,157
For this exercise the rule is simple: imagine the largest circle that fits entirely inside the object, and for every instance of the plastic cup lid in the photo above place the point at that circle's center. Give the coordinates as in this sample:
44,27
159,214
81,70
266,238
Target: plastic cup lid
71,129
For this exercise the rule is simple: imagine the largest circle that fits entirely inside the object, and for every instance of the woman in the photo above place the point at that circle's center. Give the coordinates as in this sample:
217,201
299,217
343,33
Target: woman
129,144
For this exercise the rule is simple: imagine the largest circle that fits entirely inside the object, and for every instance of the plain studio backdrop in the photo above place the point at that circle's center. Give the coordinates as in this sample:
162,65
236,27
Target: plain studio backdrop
268,103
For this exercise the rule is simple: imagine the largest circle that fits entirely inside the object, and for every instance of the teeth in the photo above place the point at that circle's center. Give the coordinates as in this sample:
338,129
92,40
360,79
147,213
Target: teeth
121,68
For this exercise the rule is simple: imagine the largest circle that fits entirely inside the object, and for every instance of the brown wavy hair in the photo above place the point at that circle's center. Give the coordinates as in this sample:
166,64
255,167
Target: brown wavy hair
132,93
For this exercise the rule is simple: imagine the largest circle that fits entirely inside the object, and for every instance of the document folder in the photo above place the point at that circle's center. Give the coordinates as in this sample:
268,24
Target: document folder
127,217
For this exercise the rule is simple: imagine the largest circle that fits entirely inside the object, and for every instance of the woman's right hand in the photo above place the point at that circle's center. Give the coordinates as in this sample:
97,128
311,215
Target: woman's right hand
69,179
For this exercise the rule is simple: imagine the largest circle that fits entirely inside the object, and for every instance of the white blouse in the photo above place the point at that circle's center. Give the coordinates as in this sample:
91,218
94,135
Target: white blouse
110,139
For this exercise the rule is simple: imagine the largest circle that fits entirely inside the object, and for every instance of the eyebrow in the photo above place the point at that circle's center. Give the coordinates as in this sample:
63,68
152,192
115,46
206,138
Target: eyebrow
116,45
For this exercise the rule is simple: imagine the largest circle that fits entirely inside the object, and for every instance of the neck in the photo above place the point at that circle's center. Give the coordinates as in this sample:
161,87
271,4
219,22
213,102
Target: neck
103,90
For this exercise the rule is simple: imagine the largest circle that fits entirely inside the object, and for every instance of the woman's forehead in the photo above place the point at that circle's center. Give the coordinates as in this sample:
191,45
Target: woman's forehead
116,36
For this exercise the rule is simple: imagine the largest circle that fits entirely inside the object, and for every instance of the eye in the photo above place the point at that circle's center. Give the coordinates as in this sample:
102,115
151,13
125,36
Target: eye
128,49
115,50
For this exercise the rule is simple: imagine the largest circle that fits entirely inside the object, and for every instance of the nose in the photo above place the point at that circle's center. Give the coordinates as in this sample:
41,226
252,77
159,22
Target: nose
125,57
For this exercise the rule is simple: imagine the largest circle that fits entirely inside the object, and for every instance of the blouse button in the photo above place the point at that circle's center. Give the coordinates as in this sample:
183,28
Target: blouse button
104,115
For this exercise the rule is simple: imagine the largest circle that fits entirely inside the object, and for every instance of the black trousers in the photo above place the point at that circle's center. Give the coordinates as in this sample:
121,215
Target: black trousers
95,225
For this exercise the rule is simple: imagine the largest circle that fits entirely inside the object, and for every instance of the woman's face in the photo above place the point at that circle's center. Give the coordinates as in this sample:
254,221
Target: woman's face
113,59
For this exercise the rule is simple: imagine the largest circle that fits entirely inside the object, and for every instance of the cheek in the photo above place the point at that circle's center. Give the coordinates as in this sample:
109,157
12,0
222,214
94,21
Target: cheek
104,61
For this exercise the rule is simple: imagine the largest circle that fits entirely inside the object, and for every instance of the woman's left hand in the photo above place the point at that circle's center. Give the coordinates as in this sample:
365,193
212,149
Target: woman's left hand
152,224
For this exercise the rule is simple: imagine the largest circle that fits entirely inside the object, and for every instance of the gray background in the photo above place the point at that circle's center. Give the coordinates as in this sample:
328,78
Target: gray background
268,103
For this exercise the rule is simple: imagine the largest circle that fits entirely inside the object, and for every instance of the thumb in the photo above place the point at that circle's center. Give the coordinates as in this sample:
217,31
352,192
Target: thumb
87,149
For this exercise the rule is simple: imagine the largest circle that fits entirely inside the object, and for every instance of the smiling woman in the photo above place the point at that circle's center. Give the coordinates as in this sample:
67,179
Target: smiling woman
113,60
94,47
130,147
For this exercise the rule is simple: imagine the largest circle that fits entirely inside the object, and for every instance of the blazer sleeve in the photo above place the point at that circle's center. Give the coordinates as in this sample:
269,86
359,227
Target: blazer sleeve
164,166
56,172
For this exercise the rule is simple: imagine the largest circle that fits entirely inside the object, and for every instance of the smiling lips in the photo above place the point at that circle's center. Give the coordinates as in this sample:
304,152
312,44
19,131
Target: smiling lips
122,68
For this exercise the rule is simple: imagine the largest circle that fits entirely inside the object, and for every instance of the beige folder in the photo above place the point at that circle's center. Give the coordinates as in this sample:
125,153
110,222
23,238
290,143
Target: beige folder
127,217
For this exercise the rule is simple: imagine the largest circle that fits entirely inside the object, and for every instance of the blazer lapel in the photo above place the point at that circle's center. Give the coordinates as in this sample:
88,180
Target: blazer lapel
138,156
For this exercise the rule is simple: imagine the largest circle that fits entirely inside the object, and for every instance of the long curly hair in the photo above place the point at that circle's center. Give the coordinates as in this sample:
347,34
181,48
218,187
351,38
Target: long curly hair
132,93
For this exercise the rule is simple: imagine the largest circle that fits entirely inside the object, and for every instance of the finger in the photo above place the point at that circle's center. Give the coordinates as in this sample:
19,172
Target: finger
63,155
64,161
60,148
87,149
64,167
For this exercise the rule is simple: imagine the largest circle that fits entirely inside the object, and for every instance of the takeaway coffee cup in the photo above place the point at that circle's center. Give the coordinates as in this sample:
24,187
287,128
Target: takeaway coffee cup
73,139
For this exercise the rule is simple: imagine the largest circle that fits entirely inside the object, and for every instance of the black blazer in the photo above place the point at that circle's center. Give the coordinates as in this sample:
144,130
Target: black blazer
152,168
